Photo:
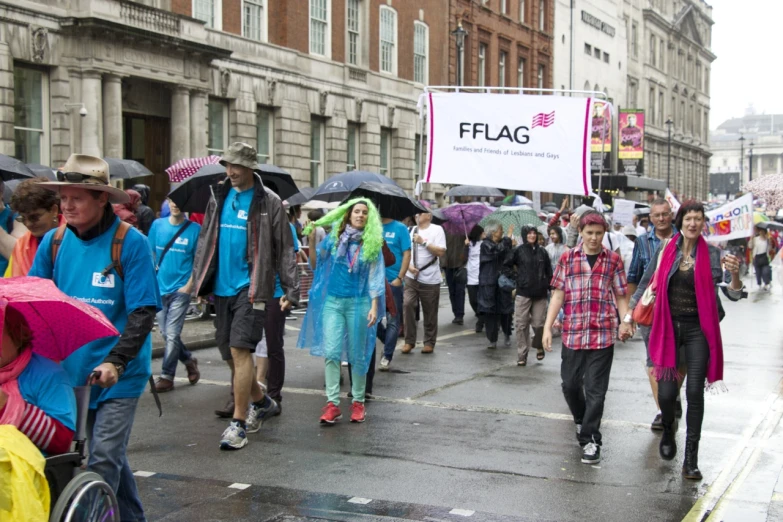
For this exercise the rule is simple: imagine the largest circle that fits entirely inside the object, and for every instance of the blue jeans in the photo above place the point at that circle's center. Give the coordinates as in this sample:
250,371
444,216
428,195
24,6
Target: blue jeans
108,428
171,318
389,334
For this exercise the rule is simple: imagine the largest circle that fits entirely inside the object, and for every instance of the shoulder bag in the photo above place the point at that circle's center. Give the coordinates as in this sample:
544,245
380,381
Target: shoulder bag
643,312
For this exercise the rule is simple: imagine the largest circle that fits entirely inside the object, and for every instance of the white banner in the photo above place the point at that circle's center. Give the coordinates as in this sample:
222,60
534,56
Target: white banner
519,142
731,221
672,201
623,211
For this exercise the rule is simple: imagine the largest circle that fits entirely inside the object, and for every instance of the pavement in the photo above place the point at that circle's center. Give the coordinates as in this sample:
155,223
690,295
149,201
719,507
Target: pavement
465,434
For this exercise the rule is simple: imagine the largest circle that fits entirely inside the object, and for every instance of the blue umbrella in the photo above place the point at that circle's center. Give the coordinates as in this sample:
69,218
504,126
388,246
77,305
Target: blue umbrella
340,186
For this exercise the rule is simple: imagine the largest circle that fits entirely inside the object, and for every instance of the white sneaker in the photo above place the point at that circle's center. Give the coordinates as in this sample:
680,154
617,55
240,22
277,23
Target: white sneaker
384,367
591,454
233,438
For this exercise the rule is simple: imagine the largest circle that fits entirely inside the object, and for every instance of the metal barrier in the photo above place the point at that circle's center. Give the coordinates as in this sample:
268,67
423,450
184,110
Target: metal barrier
305,281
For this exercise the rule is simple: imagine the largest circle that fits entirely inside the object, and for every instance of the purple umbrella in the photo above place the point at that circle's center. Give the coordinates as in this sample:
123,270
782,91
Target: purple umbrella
464,216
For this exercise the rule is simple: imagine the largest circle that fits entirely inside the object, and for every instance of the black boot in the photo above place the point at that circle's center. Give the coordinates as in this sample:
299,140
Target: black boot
668,445
227,411
690,468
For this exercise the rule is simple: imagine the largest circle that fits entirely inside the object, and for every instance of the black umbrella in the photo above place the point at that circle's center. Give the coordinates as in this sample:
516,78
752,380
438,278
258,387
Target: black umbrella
127,169
12,168
438,217
43,171
301,197
192,195
474,192
9,187
392,201
340,186
770,225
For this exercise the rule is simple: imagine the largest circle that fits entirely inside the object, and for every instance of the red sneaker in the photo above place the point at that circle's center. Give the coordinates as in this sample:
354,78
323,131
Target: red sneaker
331,414
357,412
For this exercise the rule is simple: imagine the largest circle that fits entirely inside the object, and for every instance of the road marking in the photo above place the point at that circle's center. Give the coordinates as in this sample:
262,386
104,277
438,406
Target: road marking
721,485
359,500
462,512
144,474
239,486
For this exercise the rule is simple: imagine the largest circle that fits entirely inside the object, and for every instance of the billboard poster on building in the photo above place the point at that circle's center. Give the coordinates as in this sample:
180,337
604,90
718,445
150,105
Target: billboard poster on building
630,151
601,138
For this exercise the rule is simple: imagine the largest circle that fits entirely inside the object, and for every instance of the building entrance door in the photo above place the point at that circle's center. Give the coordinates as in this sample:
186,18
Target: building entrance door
146,140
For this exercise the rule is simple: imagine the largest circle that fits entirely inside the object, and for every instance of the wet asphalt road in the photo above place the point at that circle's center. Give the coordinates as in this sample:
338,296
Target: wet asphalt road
465,434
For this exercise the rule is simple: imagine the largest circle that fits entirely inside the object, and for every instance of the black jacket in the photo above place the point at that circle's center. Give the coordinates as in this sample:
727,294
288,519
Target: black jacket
491,298
534,270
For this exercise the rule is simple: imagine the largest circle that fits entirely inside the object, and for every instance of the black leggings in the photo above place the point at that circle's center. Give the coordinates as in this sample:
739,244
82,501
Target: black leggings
691,346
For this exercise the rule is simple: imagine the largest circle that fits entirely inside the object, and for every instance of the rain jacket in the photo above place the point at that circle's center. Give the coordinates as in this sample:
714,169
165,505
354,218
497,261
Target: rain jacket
24,492
534,270
491,298
270,246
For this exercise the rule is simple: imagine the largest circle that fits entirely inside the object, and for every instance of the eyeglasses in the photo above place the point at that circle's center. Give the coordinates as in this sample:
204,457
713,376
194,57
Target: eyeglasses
29,218
661,216
77,177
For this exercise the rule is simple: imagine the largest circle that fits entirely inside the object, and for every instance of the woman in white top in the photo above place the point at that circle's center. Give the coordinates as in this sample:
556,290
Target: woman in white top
760,250
556,247
473,246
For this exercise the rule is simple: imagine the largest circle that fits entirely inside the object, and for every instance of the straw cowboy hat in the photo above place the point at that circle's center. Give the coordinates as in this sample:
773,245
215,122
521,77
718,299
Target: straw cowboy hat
89,173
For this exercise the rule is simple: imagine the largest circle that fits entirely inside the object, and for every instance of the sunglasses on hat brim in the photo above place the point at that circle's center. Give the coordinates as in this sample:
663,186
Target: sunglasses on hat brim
77,177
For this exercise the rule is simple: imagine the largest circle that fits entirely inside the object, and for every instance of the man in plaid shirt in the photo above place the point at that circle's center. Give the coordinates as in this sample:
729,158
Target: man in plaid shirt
589,281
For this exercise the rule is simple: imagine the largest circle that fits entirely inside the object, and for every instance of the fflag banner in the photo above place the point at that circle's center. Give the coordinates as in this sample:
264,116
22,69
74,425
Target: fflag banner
518,142
733,220
630,152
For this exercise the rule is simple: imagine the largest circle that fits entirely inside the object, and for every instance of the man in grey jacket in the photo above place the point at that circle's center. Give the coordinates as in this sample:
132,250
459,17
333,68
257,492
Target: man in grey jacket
245,240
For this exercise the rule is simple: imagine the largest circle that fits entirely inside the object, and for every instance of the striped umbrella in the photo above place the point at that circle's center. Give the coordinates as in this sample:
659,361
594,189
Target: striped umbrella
185,168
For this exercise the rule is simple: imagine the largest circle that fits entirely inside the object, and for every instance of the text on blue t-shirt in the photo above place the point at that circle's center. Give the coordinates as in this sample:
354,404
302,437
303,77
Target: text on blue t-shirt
233,272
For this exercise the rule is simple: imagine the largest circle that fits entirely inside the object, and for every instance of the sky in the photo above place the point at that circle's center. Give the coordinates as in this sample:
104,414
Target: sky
746,39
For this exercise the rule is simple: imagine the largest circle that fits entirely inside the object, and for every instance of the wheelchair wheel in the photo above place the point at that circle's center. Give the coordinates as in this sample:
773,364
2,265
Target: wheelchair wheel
86,498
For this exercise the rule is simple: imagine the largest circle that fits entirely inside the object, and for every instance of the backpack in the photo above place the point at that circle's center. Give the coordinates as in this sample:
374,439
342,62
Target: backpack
116,247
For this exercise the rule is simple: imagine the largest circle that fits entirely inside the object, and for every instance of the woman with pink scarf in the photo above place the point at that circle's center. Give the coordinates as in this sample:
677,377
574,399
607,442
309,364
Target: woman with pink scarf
35,393
685,339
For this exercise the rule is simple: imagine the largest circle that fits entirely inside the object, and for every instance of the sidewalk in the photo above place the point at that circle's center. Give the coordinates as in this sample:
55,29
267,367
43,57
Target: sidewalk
196,334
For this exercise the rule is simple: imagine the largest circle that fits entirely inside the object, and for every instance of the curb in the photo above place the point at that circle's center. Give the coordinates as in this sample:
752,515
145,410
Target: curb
199,343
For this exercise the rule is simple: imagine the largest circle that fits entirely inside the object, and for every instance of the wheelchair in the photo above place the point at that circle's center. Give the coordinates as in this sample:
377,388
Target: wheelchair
77,495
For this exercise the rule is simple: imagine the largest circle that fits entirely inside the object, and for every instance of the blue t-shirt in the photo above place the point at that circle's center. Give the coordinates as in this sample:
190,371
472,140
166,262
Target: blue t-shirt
233,272
398,240
43,383
278,287
77,272
177,264
7,222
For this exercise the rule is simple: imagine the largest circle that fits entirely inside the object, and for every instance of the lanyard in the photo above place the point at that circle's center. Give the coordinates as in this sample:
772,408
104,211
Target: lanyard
352,262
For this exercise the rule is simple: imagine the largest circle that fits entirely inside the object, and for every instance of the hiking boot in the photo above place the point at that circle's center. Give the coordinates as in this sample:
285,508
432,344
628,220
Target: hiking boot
668,445
657,423
234,437
384,367
408,348
256,415
192,367
690,467
163,385
591,453
228,410
358,414
428,349
331,414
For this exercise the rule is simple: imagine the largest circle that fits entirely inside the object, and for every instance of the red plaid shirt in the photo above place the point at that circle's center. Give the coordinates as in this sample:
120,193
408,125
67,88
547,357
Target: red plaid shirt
590,315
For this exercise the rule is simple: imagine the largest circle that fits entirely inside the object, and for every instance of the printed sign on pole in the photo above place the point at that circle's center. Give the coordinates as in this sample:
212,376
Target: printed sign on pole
630,152
601,138
623,211
672,201
733,220
524,142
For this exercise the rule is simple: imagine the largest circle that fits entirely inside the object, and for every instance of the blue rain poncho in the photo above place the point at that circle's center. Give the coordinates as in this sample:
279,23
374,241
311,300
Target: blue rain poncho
335,326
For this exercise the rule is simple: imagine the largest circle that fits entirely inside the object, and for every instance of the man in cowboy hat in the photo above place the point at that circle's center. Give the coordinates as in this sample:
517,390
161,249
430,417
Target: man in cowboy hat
83,261
245,240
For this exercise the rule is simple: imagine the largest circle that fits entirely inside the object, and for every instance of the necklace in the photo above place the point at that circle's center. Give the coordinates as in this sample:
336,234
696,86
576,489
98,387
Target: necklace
686,263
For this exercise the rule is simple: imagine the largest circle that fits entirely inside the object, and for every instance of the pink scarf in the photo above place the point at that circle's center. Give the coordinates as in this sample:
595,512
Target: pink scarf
663,350
14,406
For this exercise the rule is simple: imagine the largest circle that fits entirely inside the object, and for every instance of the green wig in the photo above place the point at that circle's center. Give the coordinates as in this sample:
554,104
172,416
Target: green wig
372,238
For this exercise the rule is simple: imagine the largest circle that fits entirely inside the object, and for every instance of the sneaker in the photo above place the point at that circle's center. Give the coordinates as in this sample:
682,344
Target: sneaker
591,453
331,414
657,423
507,342
457,320
492,346
257,415
192,367
234,437
358,414
384,367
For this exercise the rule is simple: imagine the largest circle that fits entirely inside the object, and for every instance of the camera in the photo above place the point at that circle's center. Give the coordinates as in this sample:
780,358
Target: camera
83,112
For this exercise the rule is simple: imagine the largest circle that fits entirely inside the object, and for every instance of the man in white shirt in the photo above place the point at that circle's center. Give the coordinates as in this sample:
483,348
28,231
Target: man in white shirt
422,282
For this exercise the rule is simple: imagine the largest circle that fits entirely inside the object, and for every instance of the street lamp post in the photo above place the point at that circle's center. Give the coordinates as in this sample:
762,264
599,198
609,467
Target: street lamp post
669,124
742,158
459,35
750,172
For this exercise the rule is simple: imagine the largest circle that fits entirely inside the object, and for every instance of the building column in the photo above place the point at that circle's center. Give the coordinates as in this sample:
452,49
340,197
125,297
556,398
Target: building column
180,124
112,116
778,169
6,100
92,122
198,123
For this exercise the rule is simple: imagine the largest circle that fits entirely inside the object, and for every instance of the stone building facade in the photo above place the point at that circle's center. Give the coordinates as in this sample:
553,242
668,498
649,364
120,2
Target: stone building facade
161,80
669,60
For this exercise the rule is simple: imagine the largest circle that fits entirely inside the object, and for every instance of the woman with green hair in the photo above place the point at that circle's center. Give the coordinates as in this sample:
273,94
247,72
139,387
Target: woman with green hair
348,290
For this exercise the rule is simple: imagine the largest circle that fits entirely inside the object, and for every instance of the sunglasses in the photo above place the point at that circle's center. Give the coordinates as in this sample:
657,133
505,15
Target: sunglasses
77,177
29,218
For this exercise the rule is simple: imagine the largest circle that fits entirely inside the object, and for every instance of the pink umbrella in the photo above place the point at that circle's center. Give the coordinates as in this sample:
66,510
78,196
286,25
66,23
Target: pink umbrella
60,324
185,168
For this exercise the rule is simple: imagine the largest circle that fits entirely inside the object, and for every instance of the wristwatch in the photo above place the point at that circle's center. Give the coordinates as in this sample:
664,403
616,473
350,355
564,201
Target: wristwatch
425,244
628,319
120,369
